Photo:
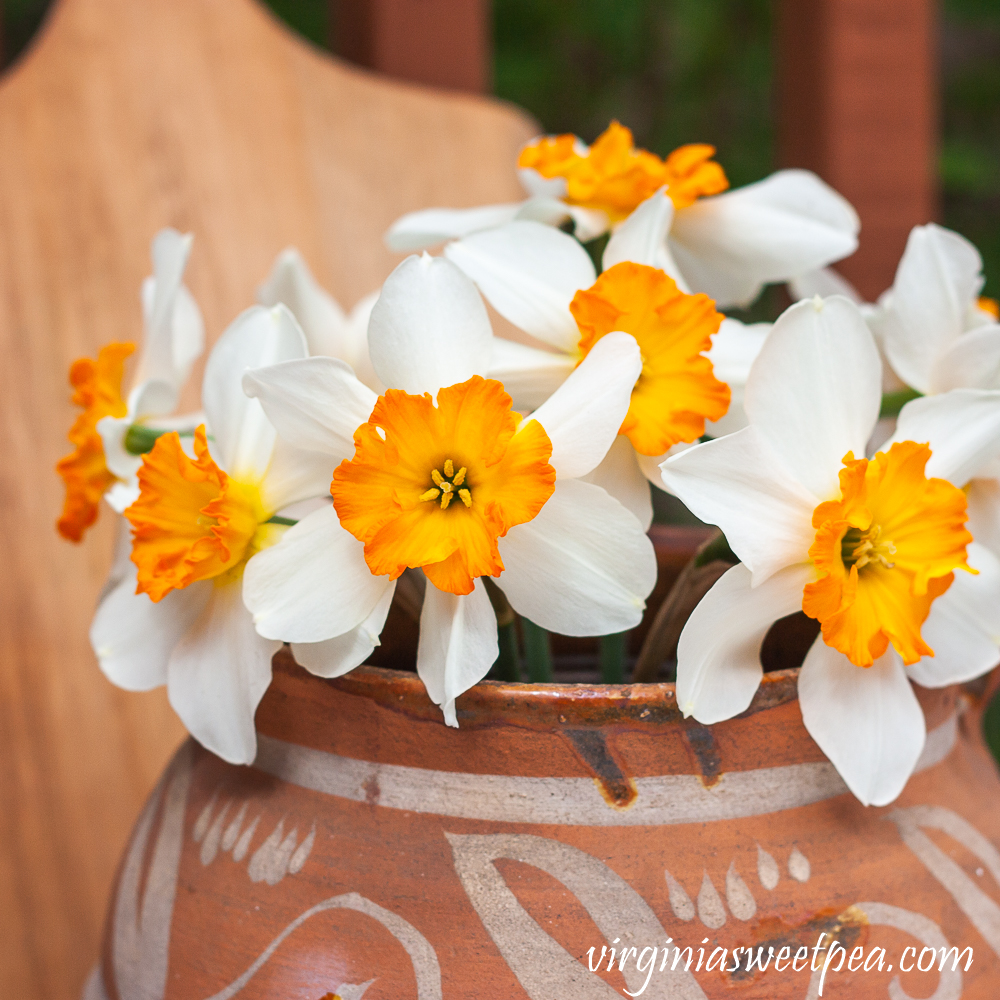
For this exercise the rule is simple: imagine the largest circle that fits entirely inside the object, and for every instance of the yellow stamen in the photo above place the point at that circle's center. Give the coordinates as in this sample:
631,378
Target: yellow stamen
615,177
378,493
871,590
97,388
677,390
431,494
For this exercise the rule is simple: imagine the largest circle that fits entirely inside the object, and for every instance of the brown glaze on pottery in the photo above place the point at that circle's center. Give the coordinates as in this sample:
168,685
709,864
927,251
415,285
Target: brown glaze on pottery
372,850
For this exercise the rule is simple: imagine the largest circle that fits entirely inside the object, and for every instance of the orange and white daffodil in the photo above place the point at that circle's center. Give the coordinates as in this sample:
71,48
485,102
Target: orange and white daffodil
441,474
876,550
330,331
937,333
100,465
173,611
543,281
726,244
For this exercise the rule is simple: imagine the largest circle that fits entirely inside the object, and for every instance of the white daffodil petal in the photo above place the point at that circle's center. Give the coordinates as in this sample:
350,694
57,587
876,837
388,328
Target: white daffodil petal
314,584
963,627
620,476
188,334
641,238
731,244
458,644
938,276
538,186
133,638
972,361
583,416
357,339
529,273
343,653
243,435
430,226
322,320
582,566
984,512
738,483
218,673
159,358
295,475
823,282
316,403
734,349
718,655
528,374
429,327
962,428
120,462
867,720
815,390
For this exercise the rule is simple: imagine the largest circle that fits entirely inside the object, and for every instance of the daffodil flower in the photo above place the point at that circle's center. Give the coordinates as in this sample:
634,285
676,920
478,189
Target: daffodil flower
876,549
544,282
172,612
100,465
440,473
725,244
330,331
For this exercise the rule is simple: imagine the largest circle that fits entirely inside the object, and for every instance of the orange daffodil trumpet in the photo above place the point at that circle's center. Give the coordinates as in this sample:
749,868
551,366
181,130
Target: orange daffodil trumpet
441,474
544,282
876,549
724,243
173,611
100,464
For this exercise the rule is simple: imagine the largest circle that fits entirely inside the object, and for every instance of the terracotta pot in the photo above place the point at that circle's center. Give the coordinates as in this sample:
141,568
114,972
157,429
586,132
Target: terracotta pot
373,850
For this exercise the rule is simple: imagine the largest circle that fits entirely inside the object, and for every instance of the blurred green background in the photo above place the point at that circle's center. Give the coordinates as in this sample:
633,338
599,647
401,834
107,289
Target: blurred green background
678,71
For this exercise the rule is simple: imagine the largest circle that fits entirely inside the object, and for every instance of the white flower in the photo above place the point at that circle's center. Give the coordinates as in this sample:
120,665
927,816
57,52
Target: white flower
195,525
174,338
727,245
440,473
868,548
329,330
544,282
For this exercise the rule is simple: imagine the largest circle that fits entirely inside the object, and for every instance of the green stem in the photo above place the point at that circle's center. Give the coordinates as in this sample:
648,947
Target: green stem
537,652
613,649
139,439
281,520
893,402
507,666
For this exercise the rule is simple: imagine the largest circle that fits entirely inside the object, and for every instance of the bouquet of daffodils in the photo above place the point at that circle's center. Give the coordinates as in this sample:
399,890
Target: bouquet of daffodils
849,453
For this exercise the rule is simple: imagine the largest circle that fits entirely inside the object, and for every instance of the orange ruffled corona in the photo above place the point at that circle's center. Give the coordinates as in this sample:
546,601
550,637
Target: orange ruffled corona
191,521
677,390
884,551
990,306
616,177
97,387
436,486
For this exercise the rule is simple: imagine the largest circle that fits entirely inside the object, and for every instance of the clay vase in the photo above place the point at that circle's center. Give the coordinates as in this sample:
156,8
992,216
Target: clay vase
370,844
373,851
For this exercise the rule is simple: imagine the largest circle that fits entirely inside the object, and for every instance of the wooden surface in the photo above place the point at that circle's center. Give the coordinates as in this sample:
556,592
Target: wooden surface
858,103
443,43
126,116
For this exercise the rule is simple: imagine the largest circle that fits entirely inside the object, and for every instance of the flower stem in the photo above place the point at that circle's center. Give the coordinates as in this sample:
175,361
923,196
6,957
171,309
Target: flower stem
613,649
139,439
507,666
537,652
893,402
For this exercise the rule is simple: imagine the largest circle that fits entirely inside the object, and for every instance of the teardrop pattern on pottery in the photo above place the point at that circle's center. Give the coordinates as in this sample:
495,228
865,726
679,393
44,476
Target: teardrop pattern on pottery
680,901
767,869
798,866
710,908
742,905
